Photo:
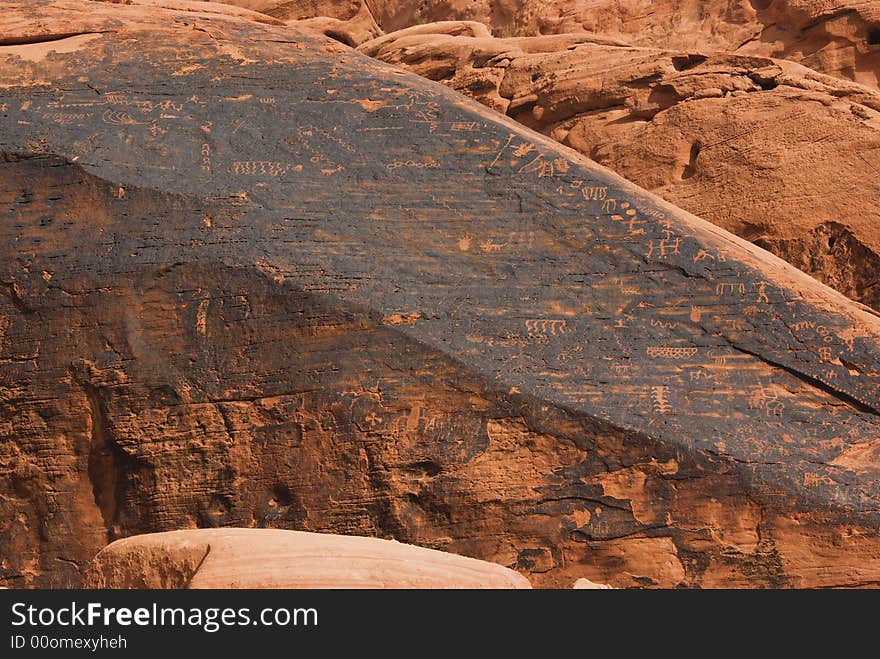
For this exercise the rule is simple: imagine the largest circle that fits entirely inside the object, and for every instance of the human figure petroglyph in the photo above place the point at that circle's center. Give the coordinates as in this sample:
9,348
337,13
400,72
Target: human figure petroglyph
762,292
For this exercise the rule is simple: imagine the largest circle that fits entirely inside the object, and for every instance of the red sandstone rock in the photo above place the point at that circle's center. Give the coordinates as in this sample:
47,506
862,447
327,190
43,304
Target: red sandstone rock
250,277
838,37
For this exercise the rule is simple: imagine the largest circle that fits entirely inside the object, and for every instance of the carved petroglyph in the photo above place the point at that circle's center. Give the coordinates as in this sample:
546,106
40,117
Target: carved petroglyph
664,247
700,374
665,324
524,149
595,192
490,246
260,168
501,151
538,163
65,118
660,400
718,358
727,289
762,292
373,420
119,118
541,327
430,163
825,333
728,323
545,168
671,352
765,401
206,158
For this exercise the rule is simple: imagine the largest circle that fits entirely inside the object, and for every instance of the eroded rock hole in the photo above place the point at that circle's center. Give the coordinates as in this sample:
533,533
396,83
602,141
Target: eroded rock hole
104,464
340,37
428,468
691,168
686,62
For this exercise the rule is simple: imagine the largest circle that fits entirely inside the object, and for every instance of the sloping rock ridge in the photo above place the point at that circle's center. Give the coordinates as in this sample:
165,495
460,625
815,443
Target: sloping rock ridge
776,153
250,277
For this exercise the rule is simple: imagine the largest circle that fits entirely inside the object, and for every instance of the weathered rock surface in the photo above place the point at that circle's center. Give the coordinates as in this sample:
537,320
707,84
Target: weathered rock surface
271,558
838,37
767,149
253,278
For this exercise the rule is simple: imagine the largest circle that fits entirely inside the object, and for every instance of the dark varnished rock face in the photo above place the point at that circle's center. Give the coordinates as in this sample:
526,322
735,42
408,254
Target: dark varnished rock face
252,278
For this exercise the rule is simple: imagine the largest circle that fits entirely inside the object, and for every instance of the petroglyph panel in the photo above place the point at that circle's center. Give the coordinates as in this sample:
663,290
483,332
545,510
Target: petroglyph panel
326,295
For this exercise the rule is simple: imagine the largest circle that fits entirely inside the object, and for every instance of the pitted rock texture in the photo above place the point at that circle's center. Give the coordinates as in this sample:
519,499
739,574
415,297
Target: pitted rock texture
837,37
271,558
251,277
767,149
